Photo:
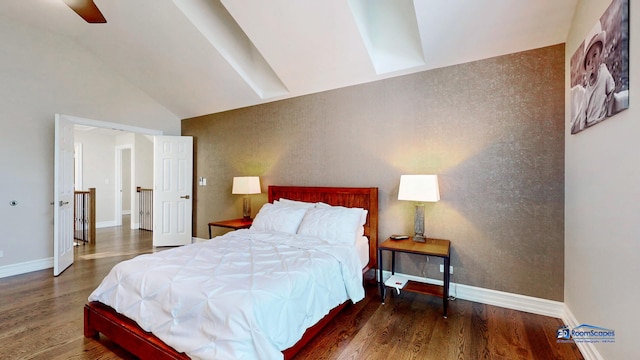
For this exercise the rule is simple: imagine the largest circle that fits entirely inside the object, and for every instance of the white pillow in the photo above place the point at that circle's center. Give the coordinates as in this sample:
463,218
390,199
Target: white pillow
363,220
283,201
278,218
335,224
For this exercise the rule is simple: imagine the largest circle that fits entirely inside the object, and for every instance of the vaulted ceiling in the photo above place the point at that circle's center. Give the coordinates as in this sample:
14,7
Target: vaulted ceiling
197,57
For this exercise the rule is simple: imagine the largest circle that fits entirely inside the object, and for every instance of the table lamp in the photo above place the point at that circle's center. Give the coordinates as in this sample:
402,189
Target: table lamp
246,185
419,188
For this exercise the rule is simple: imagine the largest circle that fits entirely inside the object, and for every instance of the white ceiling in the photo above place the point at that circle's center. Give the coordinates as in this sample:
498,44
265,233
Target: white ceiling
197,57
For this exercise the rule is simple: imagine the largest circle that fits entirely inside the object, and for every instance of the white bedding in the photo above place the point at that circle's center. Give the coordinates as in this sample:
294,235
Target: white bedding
362,248
243,295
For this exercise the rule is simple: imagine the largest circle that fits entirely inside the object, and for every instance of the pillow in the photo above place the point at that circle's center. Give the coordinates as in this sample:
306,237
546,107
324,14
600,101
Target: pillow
335,224
283,201
363,220
278,218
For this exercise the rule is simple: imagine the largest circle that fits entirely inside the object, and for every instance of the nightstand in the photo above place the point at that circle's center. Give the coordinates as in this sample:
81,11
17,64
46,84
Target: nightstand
234,224
432,247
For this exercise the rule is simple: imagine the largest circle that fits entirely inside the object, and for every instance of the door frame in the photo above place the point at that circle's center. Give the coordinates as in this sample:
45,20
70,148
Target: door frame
77,166
113,126
118,177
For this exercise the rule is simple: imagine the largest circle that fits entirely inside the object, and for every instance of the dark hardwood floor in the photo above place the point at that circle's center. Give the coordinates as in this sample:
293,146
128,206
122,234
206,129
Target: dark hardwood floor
41,317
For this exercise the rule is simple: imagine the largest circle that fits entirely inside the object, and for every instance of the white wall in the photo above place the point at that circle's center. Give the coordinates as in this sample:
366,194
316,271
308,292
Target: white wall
43,74
143,171
125,169
602,208
98,171
144,161
125,148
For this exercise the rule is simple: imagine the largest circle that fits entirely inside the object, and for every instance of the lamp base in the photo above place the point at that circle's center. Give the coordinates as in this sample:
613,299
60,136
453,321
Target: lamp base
418,224
246,207
419,238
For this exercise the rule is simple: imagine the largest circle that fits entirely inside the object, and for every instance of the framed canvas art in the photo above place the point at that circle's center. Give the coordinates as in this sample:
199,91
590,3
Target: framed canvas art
600,69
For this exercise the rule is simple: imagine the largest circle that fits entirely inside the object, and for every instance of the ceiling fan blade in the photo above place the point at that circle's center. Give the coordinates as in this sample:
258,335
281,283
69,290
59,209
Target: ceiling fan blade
87,9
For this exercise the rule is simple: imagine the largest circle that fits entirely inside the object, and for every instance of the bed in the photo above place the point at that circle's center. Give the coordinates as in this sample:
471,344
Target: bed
101,318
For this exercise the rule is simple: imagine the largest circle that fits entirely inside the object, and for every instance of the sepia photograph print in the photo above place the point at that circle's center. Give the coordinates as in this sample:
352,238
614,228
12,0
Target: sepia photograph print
600,69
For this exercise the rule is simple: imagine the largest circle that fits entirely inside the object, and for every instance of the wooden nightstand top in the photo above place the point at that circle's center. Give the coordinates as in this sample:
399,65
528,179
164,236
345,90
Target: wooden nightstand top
233,224
434,247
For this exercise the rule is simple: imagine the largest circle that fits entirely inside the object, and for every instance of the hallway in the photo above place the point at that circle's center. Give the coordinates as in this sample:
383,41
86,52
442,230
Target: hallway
117,241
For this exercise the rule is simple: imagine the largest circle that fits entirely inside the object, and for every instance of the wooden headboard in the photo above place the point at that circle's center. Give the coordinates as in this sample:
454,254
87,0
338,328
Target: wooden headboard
365,198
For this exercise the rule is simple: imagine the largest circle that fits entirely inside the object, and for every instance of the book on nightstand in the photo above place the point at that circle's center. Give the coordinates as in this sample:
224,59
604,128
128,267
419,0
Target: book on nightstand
397,282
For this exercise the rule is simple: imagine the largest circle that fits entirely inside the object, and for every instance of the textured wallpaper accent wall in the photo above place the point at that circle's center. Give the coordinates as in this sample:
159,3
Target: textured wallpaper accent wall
493,130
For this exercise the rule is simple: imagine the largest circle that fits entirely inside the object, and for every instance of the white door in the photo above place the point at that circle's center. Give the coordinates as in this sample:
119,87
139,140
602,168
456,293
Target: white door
63,196
172,190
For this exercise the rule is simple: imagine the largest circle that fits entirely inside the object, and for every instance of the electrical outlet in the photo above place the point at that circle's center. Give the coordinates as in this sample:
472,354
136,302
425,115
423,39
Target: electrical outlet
450,269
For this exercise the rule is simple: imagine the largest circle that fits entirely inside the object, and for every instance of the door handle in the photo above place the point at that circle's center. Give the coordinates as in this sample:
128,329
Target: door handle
184,197
63,203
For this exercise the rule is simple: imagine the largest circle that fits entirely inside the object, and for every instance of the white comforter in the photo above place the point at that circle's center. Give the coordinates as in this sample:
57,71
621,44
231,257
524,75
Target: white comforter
244,295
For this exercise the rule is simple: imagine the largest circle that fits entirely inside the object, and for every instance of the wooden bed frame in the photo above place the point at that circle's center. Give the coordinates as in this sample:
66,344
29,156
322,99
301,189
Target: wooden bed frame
100,318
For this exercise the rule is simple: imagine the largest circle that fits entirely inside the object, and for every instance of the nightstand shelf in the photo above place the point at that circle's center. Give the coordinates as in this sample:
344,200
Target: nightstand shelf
432,247
422,288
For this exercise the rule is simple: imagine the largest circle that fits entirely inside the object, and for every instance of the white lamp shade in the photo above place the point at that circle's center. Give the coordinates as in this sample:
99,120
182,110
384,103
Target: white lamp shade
246,185
419,188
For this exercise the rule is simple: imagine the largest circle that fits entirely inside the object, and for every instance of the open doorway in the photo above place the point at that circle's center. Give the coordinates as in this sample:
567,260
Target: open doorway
172,163
125,188
115,163
125,181
64,180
